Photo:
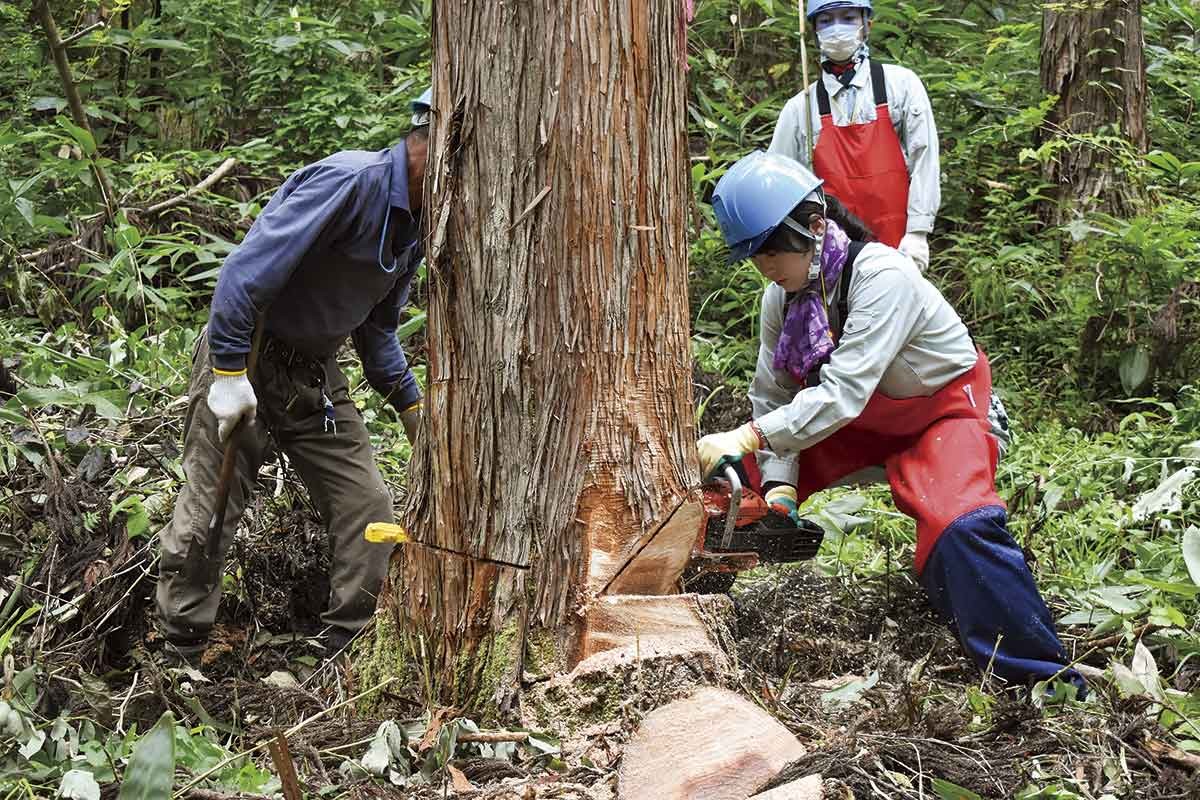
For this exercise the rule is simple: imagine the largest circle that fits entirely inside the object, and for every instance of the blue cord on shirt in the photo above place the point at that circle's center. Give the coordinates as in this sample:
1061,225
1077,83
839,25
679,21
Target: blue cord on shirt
383,238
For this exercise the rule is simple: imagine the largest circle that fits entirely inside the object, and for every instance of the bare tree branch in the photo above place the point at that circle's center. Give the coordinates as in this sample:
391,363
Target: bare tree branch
77,35
220,172
59,51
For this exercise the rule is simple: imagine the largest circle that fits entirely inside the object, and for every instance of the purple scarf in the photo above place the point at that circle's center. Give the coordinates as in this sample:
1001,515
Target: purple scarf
806,339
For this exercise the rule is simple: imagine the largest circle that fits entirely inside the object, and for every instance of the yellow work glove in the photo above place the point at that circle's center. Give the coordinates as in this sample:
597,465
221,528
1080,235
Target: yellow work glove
782,500
718,449
410,418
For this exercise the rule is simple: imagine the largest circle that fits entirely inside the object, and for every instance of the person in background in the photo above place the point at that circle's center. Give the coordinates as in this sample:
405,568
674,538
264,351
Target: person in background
333,255
867,130
898,382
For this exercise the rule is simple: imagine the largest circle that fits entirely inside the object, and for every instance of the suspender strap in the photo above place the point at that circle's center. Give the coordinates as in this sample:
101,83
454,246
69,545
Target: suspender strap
822,95
878,86
878,83
843,294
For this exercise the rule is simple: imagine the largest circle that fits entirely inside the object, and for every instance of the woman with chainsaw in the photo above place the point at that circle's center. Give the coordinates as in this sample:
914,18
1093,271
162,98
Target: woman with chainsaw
863,362
867,129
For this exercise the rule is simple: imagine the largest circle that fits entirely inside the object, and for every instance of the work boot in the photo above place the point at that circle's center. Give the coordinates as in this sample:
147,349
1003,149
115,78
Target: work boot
184,653
336,640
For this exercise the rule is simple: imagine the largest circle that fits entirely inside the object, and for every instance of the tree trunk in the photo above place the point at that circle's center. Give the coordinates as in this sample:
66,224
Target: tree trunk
1093,59
559,427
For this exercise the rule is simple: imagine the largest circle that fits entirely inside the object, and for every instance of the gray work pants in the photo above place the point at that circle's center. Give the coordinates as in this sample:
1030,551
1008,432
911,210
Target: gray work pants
337,468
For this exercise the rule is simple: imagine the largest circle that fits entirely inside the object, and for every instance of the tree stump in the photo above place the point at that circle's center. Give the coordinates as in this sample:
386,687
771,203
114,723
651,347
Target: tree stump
640,653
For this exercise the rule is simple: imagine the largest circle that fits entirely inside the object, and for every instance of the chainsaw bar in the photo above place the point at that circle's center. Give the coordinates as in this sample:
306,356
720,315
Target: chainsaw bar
775,538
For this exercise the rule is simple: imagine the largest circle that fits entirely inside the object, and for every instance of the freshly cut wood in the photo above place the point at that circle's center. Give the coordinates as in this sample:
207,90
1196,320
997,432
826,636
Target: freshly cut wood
806,788
639,653
713,745
641,626
654,562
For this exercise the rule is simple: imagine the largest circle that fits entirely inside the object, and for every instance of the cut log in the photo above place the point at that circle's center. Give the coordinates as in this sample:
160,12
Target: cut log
713,745
807,788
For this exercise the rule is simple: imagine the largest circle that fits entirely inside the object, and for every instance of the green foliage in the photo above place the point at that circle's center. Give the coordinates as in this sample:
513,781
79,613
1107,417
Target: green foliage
1086,299
77,754
151,771
168,98
1091,326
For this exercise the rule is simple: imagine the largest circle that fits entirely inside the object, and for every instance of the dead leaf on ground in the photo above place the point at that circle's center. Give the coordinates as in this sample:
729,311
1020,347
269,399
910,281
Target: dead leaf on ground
458,779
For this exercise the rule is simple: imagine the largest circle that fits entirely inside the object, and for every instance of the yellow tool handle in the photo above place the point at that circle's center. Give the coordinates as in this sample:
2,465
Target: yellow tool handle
386,532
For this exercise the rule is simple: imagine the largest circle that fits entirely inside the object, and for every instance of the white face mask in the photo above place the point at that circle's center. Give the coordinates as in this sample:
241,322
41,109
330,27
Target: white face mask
840,40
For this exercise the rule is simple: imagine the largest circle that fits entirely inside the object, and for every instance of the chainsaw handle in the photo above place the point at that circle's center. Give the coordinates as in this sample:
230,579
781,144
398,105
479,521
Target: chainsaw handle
735,504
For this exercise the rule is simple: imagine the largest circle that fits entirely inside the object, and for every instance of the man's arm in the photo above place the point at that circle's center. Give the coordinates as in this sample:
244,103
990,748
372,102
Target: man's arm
314,202
384,363
918,135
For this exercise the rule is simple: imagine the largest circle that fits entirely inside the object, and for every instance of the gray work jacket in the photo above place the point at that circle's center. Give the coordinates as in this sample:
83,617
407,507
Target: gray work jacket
900,337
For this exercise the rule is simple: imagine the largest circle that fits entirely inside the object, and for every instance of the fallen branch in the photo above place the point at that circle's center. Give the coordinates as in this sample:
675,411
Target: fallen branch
1163,750
492,737
220,172
286,768
1117,638
209,794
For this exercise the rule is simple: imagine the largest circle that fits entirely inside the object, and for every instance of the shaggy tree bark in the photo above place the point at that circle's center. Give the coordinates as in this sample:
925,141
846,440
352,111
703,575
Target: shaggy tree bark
1093,59
559,429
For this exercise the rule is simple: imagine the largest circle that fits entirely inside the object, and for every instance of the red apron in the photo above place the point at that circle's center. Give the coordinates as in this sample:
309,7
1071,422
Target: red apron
863,165
939,453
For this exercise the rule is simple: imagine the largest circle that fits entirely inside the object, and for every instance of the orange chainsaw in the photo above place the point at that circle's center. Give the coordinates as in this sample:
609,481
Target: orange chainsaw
741,531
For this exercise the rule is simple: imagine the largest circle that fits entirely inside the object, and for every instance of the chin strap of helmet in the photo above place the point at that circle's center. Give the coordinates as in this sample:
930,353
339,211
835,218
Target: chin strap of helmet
814,269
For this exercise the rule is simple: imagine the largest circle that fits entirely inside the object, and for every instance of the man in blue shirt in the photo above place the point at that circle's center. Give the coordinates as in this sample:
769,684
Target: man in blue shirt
332,256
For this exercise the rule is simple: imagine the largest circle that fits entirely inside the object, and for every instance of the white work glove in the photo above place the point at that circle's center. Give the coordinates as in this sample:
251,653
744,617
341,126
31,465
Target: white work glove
916,246
230,398
719,449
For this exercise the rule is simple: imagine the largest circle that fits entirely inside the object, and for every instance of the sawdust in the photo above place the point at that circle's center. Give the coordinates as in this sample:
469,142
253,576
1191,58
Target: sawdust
792,621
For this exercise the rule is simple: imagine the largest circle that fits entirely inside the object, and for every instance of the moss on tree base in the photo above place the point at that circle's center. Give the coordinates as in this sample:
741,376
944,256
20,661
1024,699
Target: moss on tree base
642,670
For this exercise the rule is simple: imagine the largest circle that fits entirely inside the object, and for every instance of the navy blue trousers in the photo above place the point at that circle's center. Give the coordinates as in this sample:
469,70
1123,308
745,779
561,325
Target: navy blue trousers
977,577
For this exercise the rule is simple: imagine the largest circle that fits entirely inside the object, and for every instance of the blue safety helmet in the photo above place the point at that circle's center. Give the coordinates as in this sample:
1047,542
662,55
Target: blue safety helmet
755,196
817,6
421,108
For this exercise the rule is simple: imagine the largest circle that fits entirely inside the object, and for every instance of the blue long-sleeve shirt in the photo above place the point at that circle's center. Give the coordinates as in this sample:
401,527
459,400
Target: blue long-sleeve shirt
313,259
